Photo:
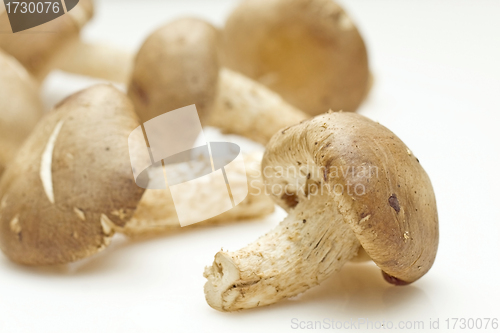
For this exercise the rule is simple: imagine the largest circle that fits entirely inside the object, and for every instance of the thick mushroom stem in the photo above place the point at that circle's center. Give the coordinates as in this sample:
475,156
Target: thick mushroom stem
96,60
307,247
248,108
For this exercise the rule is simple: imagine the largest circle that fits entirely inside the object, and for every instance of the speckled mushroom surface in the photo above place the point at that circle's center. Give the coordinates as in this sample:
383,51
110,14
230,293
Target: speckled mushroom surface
347,183
71,185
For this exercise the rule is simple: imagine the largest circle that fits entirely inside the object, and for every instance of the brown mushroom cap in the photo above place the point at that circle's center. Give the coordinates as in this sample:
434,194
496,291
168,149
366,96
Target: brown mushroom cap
308,51
348,185
387,197
20,107
35,47
71,184
176,66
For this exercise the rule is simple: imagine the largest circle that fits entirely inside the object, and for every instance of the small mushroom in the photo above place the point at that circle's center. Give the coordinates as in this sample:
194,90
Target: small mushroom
348,184
178,66
20,107
57,44
308,51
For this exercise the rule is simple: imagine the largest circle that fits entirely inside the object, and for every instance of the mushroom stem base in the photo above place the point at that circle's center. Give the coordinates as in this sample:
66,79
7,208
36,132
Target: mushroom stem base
307,247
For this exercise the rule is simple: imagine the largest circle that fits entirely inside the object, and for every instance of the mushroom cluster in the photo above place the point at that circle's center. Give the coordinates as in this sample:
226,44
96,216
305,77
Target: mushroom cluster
352,189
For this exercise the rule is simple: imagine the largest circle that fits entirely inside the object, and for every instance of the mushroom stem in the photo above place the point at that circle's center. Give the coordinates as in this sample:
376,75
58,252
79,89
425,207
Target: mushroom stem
307,247
248,108
96,60
157,213
20,107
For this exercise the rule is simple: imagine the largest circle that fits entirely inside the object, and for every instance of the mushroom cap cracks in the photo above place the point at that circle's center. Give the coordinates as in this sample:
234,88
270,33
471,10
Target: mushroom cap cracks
71,184
379,186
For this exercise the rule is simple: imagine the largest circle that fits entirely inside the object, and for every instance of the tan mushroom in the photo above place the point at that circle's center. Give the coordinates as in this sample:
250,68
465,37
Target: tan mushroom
57,44
59,197
20,107
71,187
178,66
308,51
348,183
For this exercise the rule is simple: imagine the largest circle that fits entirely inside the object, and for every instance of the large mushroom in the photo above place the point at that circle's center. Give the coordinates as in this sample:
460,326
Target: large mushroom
71,187
71,183
178,66
348,184
308,51
20,107
57,45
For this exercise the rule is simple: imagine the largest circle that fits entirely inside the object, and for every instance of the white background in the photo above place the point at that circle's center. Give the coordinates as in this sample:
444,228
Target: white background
437,87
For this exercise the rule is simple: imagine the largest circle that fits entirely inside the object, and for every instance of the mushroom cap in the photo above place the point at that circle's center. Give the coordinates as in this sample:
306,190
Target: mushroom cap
71,183
36,47
176,66
308,51
380,188
20,107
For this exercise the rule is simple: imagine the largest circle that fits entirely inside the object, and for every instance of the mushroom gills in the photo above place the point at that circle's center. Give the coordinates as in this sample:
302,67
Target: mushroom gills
308,246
